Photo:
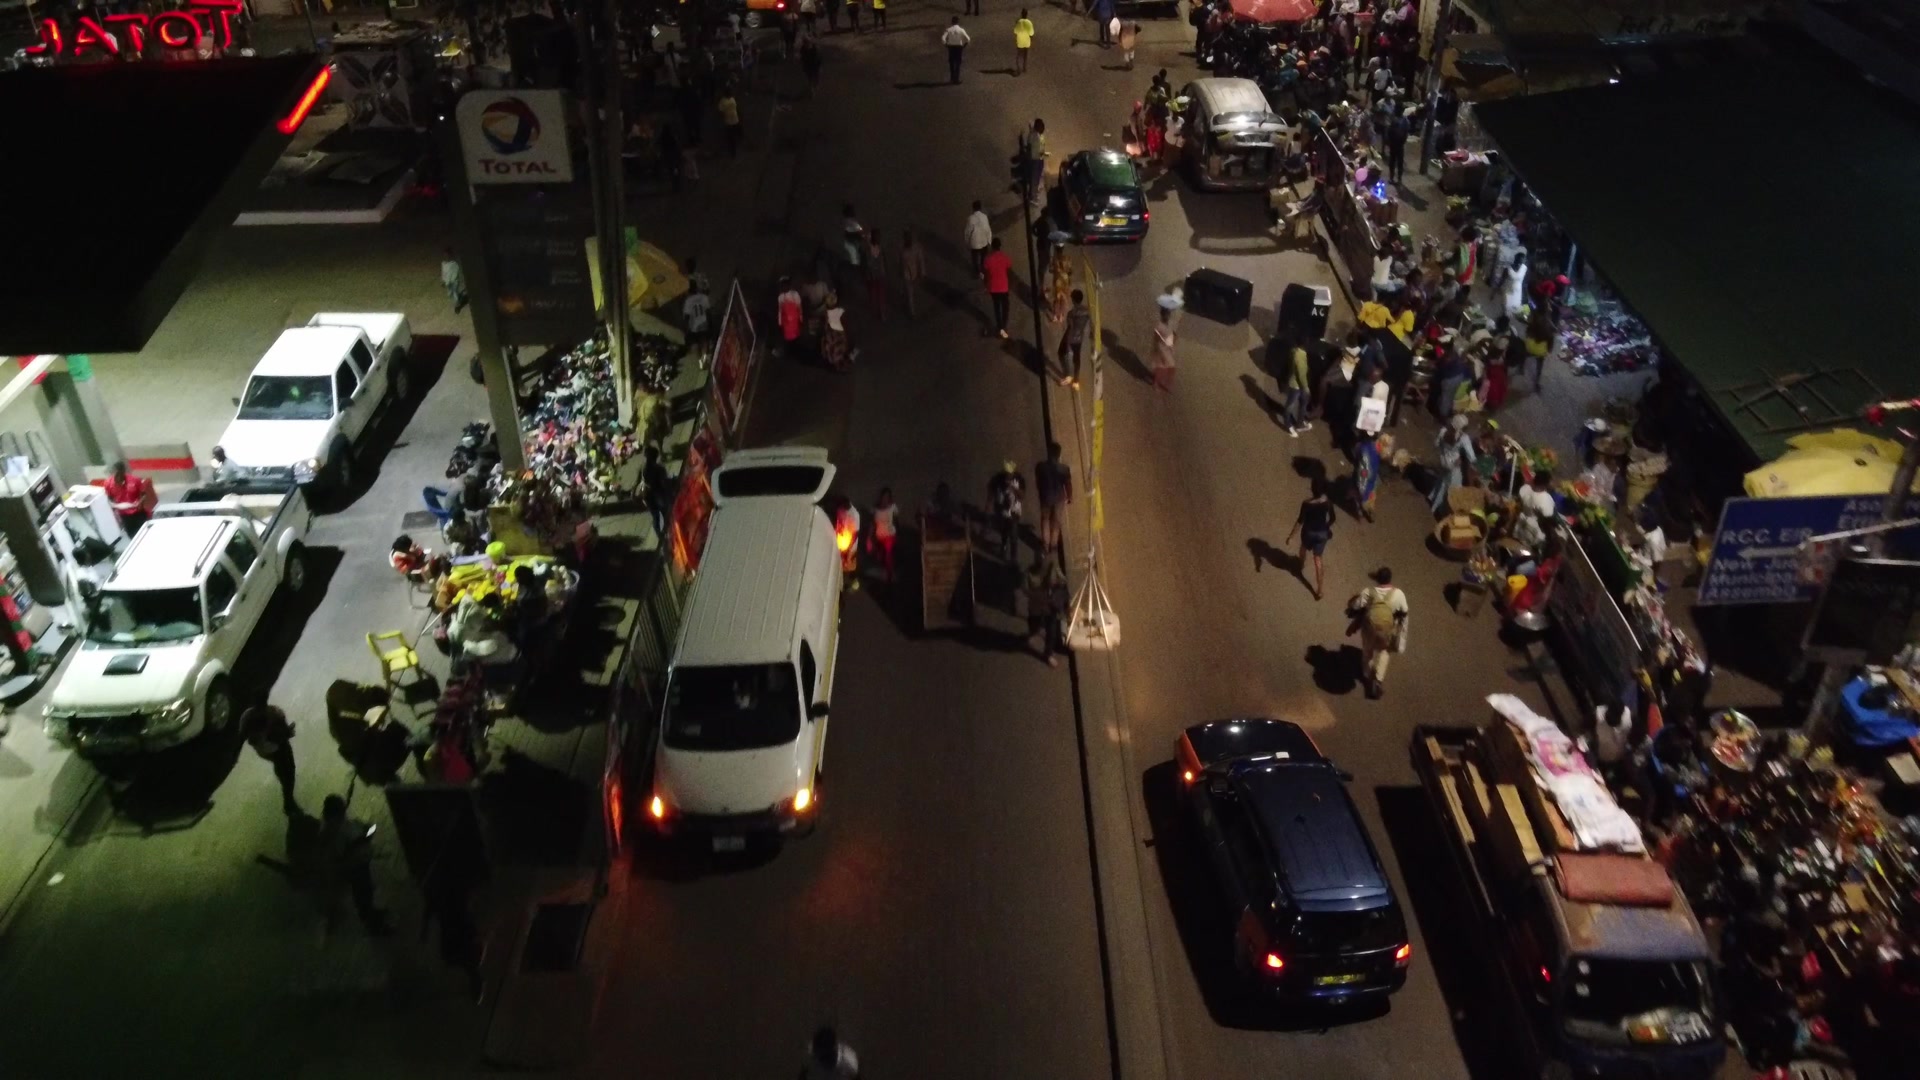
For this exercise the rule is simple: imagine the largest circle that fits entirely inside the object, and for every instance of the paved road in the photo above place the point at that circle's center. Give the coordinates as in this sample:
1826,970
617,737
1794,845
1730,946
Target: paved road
944,914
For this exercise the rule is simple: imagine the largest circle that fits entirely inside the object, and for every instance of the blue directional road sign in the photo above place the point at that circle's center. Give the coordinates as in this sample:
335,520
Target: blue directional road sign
1756,552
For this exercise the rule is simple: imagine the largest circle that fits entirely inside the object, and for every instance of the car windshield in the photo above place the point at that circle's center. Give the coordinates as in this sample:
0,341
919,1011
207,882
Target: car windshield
1611,996
739,707
144,616
1350,931
287,397
1113,172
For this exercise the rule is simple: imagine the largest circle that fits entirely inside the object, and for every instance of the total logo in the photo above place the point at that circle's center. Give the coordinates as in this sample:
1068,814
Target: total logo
511,128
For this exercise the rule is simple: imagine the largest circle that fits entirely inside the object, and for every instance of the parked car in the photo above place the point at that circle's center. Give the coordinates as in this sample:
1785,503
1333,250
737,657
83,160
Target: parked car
1101,197
156,665
313,396
1315,918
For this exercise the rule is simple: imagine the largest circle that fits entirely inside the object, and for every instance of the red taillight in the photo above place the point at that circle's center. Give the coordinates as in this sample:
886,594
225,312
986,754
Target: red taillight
843,539
1545,975
1146,215
658,808
1274,963
1403,954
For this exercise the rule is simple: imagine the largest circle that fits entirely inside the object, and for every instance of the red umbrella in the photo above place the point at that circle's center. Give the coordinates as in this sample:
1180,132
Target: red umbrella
1275,11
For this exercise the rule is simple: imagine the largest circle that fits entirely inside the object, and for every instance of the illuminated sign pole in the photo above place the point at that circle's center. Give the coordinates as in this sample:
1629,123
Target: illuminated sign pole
1094,624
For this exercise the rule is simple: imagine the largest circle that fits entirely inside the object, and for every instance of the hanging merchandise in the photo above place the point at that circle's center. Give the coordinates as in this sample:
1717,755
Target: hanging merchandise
1598,336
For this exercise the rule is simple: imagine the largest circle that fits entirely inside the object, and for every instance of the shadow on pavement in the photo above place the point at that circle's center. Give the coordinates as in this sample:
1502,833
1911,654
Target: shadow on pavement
425,365
172,789
535,815
1260,397
1267,554
1435,900
1335,670
1206,927
1128,359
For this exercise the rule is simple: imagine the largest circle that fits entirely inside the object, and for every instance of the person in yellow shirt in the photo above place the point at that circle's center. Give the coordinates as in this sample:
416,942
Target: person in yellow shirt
879,14
1022,42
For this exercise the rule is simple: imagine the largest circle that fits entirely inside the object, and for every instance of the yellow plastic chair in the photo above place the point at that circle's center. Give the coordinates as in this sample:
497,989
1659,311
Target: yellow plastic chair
396,657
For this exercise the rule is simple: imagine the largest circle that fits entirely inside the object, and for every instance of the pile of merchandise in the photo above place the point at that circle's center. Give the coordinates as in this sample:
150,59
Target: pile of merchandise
1600,337
575,443
1818,890
656,362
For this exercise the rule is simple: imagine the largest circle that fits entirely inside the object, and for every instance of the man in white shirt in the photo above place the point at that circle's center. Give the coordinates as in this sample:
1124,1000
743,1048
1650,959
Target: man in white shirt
956,39
978,236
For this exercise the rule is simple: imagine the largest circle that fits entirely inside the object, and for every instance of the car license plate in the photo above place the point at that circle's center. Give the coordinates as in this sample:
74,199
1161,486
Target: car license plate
729,843
1108,221
1338,980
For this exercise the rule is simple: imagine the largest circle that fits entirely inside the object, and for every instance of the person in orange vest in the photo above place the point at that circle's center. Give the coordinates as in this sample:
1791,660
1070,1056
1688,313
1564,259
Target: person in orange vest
846,537
132,497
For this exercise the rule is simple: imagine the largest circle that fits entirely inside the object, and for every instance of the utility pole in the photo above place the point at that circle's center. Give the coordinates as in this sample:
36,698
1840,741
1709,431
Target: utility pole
598,43
502,407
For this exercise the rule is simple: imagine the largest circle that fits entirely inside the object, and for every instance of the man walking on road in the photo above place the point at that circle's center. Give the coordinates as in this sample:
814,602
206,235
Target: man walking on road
271,736
1379,612
956,39
978,234
1022,42
1073,341
1034,148
1053,483
997,267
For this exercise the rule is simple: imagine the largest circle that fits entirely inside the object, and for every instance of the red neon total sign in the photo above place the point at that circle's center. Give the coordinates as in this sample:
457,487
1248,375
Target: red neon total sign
116,35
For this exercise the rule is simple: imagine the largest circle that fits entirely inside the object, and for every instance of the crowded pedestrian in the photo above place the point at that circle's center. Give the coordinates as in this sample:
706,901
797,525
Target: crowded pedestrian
1103,14
790,314
810,62
1379,614
886,529
977,234
1399,130
809,15
695,310
268,731
1456,450
876,268
1314,526
1129,41
1340,395
1047,610
1541,331
1053,486
853,239
956,39
1022,42
835,345
827,1057
729,107
346,846
972,7
1006,493
1513,289
1164,339
659,492
1075,340
132,497
879,14
1033,149
913,270
832,8
998,269
1366,475
1059,276
853,14
452,280
1296,387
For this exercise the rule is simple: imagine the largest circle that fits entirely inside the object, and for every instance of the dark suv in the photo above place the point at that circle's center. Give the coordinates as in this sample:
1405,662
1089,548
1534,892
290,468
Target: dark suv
1101,198
1315,919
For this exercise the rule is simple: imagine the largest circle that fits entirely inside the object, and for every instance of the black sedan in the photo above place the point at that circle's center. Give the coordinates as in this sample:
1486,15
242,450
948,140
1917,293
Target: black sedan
1101,197
1315,918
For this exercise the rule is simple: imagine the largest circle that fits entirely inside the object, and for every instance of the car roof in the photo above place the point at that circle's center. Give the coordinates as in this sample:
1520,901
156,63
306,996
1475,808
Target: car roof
1226,96
167,553
1314,834
746,601
1624,931
1111,168
307,350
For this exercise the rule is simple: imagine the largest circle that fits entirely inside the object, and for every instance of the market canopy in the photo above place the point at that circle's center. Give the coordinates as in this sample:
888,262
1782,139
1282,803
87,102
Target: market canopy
123,174
1756,213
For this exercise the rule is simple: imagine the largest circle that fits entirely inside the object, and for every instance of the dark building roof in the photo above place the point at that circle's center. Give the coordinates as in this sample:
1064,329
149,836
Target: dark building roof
122,172
1754,211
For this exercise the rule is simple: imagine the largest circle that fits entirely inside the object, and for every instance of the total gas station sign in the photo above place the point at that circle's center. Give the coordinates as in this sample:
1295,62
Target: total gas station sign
515,137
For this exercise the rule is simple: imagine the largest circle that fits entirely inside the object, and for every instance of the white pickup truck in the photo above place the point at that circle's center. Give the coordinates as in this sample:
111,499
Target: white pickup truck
314,394
156,666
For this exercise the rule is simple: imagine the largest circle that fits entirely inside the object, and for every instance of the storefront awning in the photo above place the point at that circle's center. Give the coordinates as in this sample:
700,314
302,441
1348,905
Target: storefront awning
1756,213
122,173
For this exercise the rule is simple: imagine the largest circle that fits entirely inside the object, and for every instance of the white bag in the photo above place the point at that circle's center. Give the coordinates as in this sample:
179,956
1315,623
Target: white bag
1372,416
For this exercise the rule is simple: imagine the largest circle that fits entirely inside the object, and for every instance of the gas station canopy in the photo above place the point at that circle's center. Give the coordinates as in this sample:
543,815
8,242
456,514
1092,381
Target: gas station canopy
126,171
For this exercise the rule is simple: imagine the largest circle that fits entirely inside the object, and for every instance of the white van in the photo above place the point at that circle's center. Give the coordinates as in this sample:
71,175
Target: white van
744,730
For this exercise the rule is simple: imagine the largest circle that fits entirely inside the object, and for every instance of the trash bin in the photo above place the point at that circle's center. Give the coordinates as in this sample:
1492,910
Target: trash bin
1219,296
1304,309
